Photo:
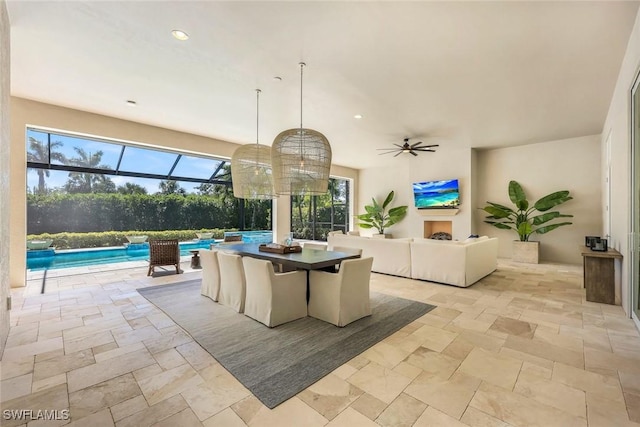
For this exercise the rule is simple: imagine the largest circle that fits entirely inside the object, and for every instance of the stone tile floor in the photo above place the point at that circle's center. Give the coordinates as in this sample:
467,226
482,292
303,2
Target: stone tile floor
520,348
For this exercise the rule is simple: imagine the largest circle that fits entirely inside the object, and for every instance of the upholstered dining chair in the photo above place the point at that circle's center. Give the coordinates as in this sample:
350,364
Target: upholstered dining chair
232,281
163,252
311,245
210,273
347,250
343,297
274,298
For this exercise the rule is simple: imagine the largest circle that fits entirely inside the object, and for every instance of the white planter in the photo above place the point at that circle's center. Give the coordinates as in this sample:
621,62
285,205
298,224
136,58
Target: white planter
203,236
39,244
527,252
136,239
382,236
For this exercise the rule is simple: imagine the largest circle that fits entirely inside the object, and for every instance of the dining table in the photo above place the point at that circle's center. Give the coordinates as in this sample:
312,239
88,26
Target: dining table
307,259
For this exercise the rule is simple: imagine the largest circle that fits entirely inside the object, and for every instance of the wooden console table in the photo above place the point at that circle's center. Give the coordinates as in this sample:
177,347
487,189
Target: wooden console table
599,274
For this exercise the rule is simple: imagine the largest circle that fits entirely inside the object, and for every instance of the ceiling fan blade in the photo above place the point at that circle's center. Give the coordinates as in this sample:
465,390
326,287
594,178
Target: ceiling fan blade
416,144
388,152
413,152
399,146
387,149
399,152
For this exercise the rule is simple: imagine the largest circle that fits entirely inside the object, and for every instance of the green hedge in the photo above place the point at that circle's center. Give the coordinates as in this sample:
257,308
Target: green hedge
57,213
118,238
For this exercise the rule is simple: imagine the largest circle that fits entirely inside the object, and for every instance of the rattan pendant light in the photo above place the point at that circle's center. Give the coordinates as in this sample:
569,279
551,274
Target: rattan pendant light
251,167
301,159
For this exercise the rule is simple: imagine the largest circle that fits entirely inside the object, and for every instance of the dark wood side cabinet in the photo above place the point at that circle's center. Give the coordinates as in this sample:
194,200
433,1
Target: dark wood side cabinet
599,274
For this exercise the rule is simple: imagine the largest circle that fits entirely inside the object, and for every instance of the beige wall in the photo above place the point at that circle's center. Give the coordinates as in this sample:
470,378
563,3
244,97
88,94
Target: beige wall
617,124
4,172
398,175
570,164
30,113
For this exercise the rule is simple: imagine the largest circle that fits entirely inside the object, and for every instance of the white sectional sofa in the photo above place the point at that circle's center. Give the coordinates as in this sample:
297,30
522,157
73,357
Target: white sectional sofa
444,261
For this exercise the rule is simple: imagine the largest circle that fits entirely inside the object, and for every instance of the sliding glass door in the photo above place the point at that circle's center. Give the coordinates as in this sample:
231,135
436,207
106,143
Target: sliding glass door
635,200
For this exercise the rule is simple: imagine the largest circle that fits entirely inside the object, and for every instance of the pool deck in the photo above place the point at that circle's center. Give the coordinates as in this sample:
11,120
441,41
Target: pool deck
65,278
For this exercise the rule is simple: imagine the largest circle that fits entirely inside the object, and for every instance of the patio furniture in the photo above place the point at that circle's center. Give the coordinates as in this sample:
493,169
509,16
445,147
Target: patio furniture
163,252
195,259
273,299
343,297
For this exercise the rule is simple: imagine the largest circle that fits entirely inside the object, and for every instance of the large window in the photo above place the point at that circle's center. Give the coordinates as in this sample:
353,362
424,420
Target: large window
81,184
312,217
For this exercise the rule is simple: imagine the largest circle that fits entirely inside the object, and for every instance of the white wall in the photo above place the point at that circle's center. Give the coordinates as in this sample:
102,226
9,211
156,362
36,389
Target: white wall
617,123
30,113
5,195
570,164
398,175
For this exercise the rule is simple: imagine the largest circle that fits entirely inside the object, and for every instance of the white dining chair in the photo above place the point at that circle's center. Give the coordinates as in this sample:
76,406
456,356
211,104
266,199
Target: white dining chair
347,250
232,281
274,298
210,273
312,245
343,297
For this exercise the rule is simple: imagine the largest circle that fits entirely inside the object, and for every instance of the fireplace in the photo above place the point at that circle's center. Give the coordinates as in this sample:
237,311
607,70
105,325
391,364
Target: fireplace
431,227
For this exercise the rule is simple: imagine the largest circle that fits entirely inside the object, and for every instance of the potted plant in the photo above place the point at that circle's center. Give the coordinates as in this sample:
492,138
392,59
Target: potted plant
527,220
379,218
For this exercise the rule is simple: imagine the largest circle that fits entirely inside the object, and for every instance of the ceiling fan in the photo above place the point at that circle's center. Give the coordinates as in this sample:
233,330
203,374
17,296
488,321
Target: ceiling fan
409,148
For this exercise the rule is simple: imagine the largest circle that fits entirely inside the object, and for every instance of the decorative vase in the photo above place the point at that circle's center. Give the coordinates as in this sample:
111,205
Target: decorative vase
527,252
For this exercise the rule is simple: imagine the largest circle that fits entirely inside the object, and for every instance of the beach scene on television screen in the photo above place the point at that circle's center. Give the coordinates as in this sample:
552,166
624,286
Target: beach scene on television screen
436,194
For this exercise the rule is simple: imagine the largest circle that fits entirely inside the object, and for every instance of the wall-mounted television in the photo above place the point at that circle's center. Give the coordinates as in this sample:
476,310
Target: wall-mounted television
436,194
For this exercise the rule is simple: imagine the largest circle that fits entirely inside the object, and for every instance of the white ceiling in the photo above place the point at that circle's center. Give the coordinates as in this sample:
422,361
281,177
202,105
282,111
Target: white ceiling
477,74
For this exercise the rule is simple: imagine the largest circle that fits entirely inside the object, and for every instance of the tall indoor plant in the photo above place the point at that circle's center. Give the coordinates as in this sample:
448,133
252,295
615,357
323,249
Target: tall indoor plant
378,217
527,220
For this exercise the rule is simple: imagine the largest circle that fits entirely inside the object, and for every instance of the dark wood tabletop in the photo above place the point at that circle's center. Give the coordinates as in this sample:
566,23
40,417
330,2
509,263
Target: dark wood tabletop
308,259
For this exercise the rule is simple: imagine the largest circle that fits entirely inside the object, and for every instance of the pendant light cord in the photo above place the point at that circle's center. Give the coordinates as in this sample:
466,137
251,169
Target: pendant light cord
257,114
302,64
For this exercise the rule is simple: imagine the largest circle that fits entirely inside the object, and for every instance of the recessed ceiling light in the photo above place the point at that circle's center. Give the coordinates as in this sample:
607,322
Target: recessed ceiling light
357,116
131,103
180,35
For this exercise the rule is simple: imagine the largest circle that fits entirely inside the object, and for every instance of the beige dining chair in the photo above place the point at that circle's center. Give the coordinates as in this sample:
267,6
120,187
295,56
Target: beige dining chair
312,245
274,298
232,281
343,297
210,273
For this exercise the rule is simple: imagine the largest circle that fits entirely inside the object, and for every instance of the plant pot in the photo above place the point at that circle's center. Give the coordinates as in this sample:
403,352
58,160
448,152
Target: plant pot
136,239
527,252
39,244
204,236
382,236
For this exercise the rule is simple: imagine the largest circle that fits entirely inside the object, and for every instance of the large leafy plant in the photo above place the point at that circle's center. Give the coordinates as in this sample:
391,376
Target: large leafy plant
378,217
524,219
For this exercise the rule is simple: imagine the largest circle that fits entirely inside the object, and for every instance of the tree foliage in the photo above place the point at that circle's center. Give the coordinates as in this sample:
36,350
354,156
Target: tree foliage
116,212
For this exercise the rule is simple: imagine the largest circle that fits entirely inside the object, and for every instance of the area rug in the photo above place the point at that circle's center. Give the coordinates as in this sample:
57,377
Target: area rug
277,363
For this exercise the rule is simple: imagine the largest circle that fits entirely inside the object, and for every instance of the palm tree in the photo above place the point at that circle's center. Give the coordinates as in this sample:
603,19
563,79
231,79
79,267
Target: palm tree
131,188
171,187
84,182
40,153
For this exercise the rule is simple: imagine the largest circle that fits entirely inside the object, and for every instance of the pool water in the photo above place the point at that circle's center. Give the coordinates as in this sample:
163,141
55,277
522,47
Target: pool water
47,259
50,259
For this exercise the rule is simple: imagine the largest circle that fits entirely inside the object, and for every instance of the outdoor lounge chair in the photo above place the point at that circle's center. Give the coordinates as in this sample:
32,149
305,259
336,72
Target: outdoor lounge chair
163,252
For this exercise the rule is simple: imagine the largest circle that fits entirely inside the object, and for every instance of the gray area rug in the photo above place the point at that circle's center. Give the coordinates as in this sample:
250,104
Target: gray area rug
277,363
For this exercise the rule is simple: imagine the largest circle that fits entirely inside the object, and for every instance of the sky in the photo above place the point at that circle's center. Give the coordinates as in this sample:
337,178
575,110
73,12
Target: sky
134,159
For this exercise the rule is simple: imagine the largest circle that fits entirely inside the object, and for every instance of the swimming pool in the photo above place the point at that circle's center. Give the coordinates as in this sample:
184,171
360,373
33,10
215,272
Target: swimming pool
50,259
47,259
